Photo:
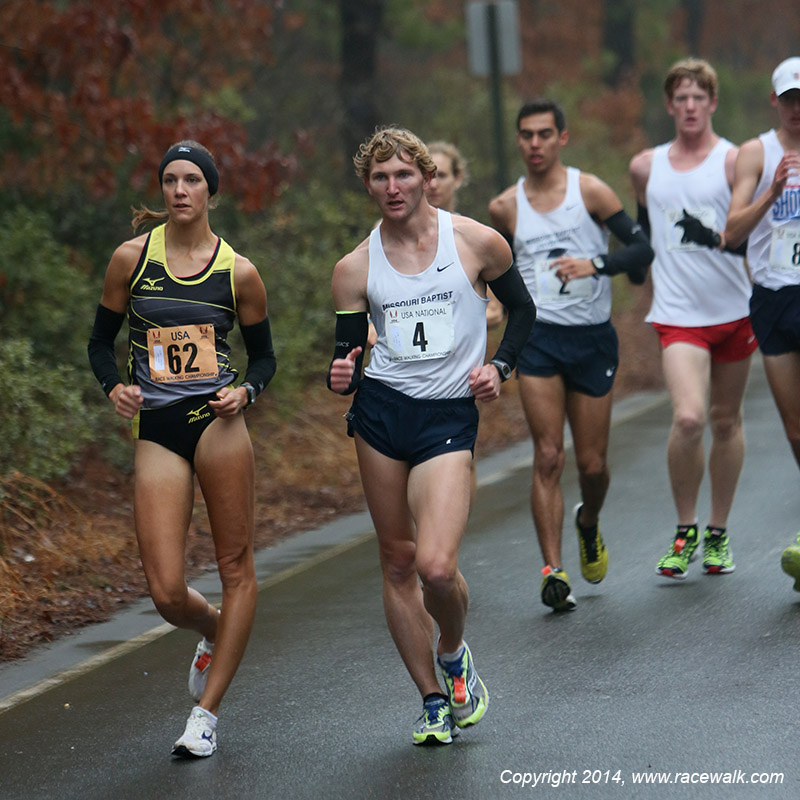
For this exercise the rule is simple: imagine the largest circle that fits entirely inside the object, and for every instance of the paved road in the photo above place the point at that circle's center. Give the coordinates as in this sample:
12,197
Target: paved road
647,676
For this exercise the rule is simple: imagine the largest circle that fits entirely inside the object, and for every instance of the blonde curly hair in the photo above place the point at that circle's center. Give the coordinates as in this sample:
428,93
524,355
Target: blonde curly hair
388,141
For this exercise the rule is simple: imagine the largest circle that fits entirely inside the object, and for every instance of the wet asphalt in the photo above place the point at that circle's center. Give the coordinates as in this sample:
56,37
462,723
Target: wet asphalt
695,680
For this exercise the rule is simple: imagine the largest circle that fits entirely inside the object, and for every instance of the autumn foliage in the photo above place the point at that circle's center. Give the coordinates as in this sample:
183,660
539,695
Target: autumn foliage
94,92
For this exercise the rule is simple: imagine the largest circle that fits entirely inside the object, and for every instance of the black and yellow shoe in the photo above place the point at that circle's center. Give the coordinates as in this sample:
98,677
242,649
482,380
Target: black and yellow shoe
594,555
556,591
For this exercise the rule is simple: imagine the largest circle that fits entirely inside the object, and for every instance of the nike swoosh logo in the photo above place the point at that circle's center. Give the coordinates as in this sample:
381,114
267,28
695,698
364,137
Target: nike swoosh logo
442,269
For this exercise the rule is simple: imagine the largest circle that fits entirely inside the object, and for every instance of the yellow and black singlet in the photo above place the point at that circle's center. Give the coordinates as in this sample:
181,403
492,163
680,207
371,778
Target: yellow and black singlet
178,326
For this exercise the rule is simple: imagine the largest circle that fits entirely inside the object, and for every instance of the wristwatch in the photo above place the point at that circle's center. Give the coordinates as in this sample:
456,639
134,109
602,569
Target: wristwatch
251,393
502,368
599,263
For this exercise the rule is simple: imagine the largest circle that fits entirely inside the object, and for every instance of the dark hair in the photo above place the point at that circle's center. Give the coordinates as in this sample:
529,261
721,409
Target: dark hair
543,105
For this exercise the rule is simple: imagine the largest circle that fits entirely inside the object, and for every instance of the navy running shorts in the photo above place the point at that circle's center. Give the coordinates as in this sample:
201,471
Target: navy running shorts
178,426
411,429
775,317
585,356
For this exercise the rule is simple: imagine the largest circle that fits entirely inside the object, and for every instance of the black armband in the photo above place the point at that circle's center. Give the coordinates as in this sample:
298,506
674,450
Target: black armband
352,328
635,257
102,357
643,218
511,291
261,361
741,250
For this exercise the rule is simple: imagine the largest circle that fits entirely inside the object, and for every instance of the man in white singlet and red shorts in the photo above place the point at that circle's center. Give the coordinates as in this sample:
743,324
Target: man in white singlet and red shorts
700,311
422,276
766,208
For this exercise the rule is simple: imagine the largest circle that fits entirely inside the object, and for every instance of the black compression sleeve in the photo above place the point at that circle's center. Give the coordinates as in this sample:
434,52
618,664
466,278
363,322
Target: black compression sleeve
741,250
352,328
261,362
637,254
101,347
511,291
643,218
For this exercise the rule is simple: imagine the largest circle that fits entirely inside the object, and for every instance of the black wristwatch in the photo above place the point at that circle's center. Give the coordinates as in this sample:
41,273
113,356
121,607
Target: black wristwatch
502,368
599,263
251,393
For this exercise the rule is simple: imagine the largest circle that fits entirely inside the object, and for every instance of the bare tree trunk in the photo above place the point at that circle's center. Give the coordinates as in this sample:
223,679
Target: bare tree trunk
361,24
695,11
618,38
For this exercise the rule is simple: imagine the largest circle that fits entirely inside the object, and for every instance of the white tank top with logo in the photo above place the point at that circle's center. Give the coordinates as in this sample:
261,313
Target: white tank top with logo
693,285
773,249
568,230
431,326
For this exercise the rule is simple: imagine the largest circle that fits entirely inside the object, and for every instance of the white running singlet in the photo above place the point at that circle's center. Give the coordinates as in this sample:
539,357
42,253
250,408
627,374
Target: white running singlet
568,230
431,326
773,249
693,285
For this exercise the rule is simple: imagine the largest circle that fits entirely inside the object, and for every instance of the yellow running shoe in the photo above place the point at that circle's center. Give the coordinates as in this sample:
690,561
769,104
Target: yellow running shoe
790,562
594,555
556,591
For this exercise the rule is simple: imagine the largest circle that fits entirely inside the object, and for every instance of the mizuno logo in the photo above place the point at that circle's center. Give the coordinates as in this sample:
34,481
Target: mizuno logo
197,415
442,269
151,285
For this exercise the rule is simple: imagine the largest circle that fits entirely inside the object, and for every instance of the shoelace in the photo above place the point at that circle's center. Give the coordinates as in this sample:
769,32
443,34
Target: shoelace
432,711
590,543
197,726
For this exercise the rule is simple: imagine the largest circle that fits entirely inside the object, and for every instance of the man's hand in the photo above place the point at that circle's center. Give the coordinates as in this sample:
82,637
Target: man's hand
341,372
484,382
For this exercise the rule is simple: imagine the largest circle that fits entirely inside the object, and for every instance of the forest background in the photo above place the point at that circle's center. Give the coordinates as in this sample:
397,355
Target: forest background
93,92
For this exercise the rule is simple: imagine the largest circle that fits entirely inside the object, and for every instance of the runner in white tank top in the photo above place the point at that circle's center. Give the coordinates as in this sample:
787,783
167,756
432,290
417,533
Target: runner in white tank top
557,218
699,311
422,274
766,207
431,326
693,285
567,230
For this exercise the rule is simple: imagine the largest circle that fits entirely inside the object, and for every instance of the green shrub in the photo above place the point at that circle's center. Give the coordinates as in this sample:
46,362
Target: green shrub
44,419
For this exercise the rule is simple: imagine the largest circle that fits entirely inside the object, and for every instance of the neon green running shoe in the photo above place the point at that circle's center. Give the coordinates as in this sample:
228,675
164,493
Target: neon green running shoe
717,556
436,725
790,562
675,564
556,591
469,697
594,555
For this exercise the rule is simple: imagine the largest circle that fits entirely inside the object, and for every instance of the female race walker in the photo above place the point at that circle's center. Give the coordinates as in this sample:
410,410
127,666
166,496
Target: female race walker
182,287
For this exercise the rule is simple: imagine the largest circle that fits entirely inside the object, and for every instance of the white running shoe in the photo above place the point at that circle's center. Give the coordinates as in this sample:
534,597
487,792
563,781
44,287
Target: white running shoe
200,737
198,673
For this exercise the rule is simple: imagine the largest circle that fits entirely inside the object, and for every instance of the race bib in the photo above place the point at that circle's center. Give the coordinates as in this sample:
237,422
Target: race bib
420,334
550,289
784,248
705,214
182,353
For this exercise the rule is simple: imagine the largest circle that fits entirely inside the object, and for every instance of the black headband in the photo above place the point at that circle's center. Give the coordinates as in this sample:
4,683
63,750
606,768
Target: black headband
184,152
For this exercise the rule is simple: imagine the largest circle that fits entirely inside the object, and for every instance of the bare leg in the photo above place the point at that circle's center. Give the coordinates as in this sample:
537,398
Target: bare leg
590,422
687,373
225,470
411,626
544,403
783,373
728,381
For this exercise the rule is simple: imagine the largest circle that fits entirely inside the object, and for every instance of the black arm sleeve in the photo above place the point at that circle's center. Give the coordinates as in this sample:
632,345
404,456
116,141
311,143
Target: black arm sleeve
636,256
643,218
511,291
261,362
352,328
101,347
